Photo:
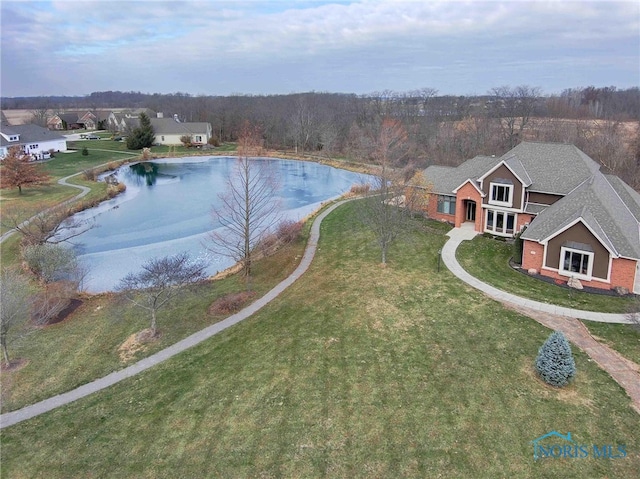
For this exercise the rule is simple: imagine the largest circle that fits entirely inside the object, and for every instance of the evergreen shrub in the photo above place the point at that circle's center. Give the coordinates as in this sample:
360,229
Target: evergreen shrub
555,363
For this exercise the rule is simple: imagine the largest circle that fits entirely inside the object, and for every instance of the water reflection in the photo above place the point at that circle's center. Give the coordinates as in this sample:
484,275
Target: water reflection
167,209
147,171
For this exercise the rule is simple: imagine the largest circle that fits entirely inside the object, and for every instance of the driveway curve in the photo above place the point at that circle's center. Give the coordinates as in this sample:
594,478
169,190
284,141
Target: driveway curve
28,412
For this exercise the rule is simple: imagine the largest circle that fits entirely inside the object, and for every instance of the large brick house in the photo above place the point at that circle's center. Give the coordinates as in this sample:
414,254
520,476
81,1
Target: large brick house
575,220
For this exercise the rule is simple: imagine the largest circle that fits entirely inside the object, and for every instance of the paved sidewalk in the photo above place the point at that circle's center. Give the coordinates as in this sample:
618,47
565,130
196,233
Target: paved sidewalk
458,235
28,412
84,191
625,372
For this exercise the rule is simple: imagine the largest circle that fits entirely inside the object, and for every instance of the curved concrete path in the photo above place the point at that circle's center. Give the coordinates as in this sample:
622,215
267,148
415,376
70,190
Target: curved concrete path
84,191
458,235
13,417
626,373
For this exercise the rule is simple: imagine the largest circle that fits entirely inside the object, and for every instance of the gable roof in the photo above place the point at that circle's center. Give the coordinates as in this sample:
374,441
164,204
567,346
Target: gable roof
446,179
29,133
169,126
555,168
596,202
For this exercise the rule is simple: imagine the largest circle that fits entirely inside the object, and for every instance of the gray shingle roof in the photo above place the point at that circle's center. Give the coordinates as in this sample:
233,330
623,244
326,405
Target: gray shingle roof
610,207
168,126
445,179
597,202
552,167
28,134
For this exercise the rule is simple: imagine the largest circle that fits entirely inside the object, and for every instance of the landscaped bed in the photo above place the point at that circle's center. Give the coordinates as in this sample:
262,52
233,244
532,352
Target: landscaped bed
355,371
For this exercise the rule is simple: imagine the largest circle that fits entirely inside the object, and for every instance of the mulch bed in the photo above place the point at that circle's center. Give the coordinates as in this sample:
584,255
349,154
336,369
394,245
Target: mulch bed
62,315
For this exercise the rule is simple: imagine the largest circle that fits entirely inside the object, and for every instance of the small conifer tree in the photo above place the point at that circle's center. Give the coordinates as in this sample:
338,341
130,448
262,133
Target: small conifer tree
555,363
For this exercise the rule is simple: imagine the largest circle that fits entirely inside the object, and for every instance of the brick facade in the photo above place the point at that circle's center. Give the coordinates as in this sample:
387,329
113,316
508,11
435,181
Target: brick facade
468,193
623,271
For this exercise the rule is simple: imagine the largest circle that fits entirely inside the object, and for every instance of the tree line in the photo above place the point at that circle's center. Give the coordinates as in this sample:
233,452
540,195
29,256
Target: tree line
442,129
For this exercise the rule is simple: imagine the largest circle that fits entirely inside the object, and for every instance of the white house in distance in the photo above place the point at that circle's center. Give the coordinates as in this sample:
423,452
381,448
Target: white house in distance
33,139
168,131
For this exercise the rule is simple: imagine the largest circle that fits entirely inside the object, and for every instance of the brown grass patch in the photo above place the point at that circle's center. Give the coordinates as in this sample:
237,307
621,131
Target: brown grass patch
567,394
135,343
14,365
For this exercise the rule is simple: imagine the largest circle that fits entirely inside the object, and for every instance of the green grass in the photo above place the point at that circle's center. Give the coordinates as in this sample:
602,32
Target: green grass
355,371
86,346
624,338
488,260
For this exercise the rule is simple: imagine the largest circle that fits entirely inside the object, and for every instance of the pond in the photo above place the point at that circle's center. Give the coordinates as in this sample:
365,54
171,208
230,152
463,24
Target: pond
167,209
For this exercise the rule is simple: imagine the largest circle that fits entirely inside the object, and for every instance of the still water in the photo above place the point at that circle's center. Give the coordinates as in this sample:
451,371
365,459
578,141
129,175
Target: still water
166,209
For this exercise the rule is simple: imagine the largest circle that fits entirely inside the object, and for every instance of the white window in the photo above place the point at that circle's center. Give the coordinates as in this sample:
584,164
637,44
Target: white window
576,262
501,194
198,139
500,223
33,147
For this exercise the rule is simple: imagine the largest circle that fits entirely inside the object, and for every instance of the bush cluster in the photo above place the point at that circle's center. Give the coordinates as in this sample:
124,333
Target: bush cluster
231,303
555,363
286,232
360,189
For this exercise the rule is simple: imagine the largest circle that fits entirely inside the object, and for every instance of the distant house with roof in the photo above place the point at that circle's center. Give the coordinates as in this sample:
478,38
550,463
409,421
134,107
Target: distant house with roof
168,131
32,139
576,221
75,120
126,119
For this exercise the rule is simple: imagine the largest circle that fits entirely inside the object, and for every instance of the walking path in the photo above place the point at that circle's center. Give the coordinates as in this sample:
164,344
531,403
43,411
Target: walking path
84,191
41,407
626,373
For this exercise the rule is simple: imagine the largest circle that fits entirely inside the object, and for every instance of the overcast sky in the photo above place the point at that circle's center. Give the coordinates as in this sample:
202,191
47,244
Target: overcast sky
68,47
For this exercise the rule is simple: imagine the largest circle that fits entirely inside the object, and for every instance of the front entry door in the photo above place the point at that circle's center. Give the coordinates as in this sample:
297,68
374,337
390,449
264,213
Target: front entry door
471,211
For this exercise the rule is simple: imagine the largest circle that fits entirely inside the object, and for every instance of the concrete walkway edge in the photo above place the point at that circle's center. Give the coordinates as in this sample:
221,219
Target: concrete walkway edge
28,412
625,372
458,235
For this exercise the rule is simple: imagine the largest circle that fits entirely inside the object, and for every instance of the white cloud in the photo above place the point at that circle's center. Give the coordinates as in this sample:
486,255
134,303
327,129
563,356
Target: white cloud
98,45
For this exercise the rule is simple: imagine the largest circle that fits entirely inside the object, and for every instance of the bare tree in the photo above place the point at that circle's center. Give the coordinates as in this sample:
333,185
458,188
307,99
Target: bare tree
248,206
53,225
15,296
383,209
513,108
61,277
40,116
160,281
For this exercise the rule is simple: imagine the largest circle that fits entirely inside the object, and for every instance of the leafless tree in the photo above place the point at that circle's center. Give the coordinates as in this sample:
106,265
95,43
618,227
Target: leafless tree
383,209
248,206
513,108
15,296
61,277
53,225
40,116
159,282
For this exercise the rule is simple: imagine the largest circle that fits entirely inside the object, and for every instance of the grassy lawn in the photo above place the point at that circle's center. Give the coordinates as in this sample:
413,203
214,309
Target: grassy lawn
355,371
624,338
86,346
488,260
